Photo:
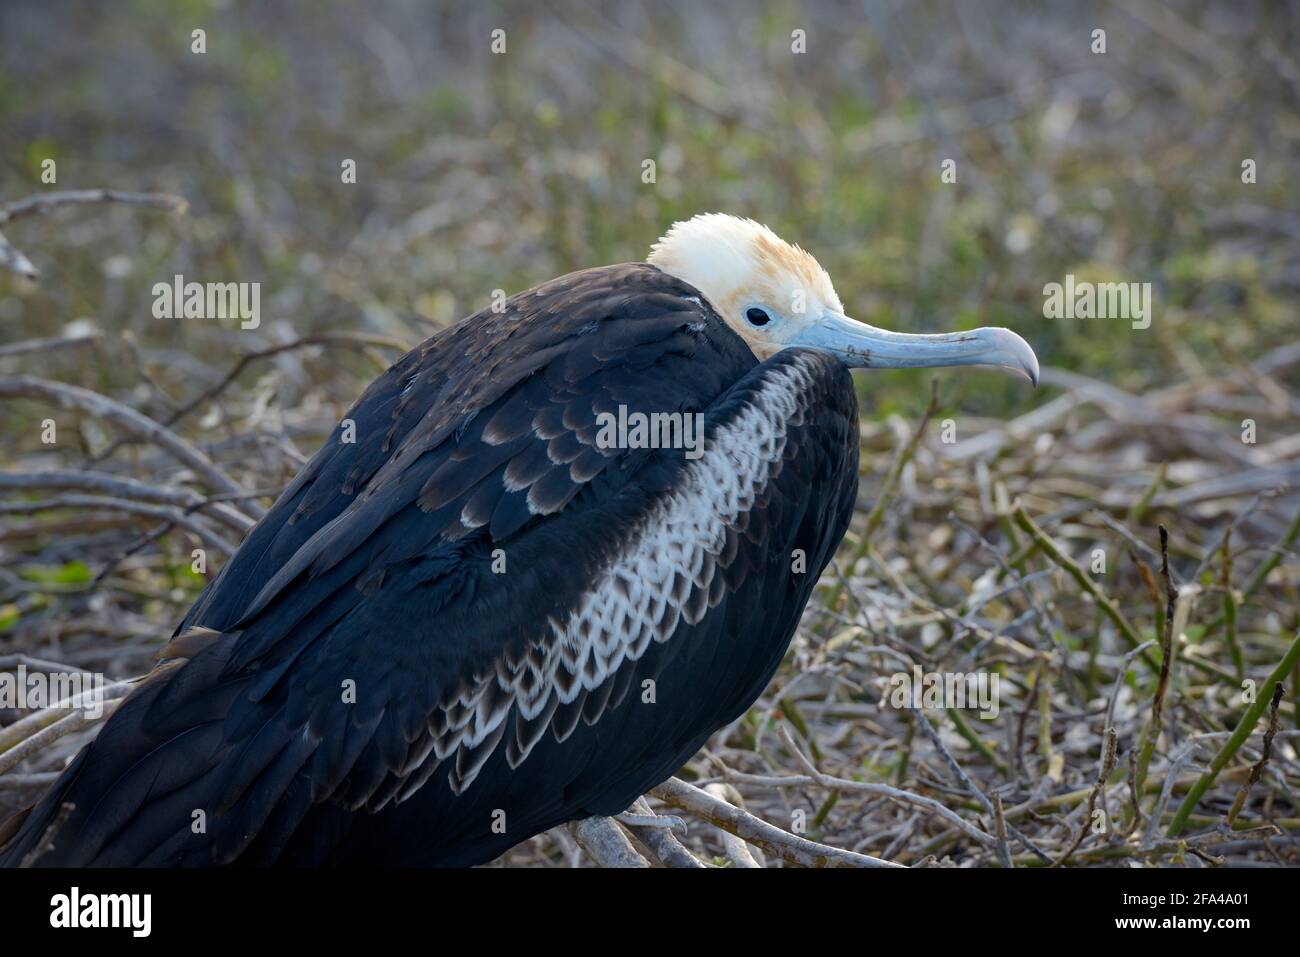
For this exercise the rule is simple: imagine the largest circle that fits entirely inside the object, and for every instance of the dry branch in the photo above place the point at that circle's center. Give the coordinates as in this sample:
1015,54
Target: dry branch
13,259
787,846
75,398
605,841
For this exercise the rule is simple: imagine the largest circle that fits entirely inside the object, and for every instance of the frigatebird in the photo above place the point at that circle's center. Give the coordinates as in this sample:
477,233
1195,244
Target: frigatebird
490,613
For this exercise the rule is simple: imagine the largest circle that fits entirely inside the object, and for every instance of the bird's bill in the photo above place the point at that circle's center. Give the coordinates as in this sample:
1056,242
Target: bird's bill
862,346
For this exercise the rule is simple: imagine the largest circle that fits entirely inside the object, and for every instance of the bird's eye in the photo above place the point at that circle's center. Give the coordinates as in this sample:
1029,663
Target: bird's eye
757,317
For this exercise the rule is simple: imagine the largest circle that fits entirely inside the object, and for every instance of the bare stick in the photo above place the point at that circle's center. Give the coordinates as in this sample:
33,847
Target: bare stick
1176,765
38,664
883,790
47,736
1156,722
606,843
126,488
45,202
655,831
787,846
28,346
28,782
1238,738
1000,830
737,851
320,339
1257,770
176,517
1107,766
24,728
972,788
140,425
13,259
1085,581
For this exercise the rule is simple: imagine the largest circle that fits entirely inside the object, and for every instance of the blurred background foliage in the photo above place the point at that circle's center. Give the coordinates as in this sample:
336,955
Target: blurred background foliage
478,171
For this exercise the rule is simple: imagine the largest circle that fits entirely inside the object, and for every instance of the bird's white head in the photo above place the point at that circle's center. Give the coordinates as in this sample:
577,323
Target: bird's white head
775,295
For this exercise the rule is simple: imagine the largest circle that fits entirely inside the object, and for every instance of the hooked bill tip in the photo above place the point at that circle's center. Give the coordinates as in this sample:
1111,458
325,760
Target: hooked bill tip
1031,370
1010,351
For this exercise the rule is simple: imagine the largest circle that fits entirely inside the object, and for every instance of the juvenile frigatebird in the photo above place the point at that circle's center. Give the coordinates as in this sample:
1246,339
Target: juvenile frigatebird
492,613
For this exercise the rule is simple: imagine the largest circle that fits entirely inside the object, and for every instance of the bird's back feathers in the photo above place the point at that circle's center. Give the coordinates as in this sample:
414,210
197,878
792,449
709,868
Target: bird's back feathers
476,621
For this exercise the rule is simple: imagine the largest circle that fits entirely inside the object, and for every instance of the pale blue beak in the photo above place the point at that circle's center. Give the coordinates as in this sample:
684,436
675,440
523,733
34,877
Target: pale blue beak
861,346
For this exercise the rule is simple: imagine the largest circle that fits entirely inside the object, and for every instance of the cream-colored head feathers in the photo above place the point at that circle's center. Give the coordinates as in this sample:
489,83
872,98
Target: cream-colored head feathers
740,265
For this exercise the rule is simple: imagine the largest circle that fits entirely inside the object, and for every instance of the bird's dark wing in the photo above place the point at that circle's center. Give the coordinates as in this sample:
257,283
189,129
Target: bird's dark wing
487,424
436,596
